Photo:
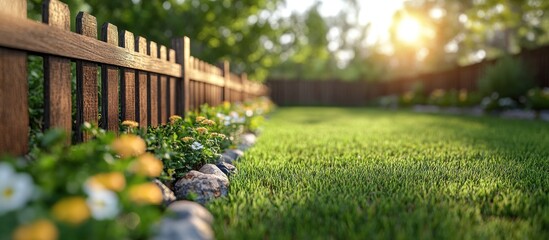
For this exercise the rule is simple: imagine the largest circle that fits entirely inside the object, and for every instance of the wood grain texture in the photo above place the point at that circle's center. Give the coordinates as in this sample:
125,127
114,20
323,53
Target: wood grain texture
87,103
141,86
127,81
226,80
152,50
26,34
163,89
14,114
182,47
109,83
57,72
172,87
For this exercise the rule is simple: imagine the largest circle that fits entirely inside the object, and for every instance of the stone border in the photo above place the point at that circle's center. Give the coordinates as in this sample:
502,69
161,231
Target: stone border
478,111
191,220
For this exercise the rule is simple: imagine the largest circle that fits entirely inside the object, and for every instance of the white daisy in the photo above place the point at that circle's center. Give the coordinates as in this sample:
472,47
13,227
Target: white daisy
15,188
196,146
102,203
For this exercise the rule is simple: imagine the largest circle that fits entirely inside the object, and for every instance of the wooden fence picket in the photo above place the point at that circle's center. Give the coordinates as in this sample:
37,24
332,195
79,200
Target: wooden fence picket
86,79
141,86
14,114
128,80
109,83
152,50
57,72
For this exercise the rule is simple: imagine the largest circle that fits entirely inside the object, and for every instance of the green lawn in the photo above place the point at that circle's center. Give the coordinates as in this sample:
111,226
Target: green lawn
349,173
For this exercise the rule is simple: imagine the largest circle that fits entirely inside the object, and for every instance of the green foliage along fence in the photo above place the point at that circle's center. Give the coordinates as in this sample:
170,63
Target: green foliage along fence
140,80
336,92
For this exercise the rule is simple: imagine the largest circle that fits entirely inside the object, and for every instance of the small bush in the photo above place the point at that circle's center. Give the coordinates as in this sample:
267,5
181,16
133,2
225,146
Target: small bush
508,77
538,99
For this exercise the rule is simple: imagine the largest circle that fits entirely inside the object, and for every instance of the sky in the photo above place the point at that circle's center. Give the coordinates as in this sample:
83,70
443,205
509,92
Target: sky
378,13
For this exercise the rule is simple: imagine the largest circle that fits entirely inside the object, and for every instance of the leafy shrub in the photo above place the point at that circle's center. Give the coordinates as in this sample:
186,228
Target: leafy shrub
469,99
508,77
413,97
538,99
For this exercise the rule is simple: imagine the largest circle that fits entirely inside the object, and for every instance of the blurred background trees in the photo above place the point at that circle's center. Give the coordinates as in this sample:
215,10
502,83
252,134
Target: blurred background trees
267,39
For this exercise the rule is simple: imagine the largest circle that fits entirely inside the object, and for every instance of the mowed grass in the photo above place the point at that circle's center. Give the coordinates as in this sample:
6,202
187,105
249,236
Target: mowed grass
344,173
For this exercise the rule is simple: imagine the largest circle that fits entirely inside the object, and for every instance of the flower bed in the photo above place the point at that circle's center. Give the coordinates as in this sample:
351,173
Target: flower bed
104,187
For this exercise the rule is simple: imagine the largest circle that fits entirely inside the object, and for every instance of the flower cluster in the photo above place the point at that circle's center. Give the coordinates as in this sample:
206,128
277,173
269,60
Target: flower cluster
57,191
188,143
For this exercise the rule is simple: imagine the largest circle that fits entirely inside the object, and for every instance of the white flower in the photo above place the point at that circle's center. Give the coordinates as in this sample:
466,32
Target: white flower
249,113
196,146
15,188
102,203
227,120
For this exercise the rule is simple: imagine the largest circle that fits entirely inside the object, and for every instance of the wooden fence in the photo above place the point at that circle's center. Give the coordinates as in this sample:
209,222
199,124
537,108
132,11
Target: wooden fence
145,81
339,93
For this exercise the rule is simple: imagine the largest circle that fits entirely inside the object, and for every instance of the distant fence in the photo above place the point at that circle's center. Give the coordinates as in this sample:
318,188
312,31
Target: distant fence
340,93
144,81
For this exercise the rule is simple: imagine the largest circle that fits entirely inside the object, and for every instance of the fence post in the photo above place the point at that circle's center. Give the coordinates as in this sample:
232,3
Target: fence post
182,47
14,113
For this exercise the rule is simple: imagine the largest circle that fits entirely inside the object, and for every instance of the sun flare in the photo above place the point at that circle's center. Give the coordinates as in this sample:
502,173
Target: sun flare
408,30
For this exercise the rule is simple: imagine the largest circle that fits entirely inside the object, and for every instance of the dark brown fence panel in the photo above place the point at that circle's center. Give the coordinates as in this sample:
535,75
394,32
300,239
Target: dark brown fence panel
14,114
86,79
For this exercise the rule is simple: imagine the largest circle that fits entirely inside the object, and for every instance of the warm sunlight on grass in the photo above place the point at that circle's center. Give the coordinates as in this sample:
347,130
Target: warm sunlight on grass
409,30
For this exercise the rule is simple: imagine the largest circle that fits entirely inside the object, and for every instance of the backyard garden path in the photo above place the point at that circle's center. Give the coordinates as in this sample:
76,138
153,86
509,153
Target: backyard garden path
352,173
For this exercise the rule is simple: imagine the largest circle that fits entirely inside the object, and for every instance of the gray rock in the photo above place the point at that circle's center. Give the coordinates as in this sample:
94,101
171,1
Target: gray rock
519,114
212,169
544,115
227,168
167,193
205,187
192,228
234,154
247,140
181,210
225,158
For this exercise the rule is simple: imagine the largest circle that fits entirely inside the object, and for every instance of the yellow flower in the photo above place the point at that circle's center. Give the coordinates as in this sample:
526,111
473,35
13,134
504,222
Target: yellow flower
39,230
130,123
174,118
202,130
220,135
148,165
463,95
129,145
114,181
73,210
226,104
199,119
187,139
208,122
146,193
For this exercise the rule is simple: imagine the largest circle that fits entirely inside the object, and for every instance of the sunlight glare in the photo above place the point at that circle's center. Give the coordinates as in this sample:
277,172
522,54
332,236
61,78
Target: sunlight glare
408,30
